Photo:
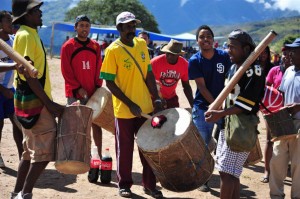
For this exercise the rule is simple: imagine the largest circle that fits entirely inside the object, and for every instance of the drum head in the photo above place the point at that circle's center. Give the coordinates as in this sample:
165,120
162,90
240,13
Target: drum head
154,139
72,167
98,101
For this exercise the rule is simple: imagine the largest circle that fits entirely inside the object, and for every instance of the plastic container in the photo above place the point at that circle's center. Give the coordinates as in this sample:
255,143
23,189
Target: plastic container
106,167
94,165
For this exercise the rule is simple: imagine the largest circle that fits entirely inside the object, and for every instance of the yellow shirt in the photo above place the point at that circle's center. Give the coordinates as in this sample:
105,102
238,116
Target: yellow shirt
27,43
119,67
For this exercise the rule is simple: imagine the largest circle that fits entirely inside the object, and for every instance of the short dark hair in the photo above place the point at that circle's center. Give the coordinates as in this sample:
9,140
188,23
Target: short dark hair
3,13
82,18
144,33
205,27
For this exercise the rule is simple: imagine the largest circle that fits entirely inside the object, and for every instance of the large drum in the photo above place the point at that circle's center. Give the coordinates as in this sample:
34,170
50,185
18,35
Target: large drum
74,140
176,152
103,113
255,155
281,125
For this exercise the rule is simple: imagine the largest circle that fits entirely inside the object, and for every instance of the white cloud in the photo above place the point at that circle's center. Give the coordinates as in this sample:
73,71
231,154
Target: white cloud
279,4
287,4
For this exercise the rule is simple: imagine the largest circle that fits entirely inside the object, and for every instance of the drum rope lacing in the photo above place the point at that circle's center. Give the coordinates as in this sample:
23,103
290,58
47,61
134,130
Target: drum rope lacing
77,133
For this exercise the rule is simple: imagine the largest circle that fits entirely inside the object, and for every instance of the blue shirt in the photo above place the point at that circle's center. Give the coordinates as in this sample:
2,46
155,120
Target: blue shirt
7,78
290,86
212,70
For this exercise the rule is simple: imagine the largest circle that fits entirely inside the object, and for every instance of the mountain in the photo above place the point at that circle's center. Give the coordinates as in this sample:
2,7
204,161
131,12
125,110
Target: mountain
177,16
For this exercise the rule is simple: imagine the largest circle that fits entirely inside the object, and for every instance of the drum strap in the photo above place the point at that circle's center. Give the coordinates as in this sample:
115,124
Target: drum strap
136,63
262,104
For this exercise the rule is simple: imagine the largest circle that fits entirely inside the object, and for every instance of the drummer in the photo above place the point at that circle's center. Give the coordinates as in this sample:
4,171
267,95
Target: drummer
128,74
80,67
285,151
33,101
168,69
245,98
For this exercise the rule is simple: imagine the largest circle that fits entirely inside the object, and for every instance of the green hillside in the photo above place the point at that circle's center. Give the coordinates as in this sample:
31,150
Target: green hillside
284,27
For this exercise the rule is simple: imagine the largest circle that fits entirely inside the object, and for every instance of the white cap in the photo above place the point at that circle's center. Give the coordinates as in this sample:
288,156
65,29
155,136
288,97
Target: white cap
126,17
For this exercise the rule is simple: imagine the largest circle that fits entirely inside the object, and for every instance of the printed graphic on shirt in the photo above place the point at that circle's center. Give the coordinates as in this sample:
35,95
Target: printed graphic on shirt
127,64
220,68
143,56
169,78
86,65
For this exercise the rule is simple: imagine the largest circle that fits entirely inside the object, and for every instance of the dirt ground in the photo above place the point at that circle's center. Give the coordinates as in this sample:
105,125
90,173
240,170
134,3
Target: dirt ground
53,184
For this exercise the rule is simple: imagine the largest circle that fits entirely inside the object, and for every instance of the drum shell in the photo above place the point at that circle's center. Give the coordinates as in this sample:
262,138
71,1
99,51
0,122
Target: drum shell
74,140
281,125
184,164
255,155
103,113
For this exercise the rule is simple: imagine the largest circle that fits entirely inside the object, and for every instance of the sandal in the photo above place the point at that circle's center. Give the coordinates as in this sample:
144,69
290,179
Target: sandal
154,193
125,192
264,179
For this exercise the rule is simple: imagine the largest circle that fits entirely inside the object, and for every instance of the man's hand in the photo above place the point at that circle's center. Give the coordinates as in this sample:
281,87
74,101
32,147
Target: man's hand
82,92
213,115
135,109
293,108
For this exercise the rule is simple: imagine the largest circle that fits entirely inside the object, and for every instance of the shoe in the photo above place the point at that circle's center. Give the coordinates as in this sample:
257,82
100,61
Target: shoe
13,195
125,192
204,188
2,165
264,179
154,193
23,196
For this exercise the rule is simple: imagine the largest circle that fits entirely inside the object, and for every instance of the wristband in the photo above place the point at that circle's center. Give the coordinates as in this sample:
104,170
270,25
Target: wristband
157,101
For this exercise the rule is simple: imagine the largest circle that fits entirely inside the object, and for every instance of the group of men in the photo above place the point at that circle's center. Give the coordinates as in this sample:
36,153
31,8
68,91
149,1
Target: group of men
132,78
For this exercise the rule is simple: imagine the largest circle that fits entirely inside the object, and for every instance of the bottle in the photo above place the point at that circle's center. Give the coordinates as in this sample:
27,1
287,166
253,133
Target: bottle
94,165
106,167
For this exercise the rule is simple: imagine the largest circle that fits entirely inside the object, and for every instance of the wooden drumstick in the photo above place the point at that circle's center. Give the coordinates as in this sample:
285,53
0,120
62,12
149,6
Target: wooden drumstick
242,69
18,58
146,116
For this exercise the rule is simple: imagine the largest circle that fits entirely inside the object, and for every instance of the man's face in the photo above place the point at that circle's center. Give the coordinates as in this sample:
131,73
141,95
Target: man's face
295,56
286,59
205,40
83,30
236,51
145,37
128,31
6,24
35,17
171,58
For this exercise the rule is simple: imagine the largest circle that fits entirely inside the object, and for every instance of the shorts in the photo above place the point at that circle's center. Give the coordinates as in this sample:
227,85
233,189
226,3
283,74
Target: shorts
6,106
39,141
228,161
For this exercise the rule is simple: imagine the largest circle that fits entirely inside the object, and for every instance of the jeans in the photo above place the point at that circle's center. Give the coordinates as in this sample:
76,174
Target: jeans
204,128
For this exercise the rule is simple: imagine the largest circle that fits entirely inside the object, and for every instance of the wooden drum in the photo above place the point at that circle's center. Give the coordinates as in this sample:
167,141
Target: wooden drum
74,140
176,152
103,113
281,125
255,155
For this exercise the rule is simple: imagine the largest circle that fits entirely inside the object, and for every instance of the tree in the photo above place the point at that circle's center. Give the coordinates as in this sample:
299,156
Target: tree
104,12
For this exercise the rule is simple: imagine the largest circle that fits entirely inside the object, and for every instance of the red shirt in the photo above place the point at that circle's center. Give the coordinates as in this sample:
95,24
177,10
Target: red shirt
168,75
80,66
